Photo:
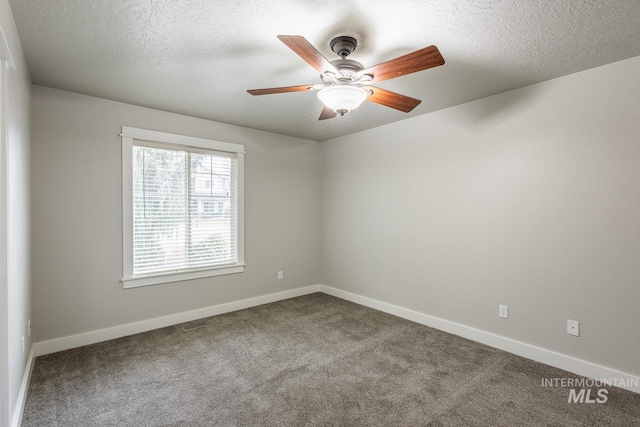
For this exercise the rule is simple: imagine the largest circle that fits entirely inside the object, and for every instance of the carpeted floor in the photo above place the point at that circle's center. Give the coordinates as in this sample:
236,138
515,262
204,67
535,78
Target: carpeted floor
312,360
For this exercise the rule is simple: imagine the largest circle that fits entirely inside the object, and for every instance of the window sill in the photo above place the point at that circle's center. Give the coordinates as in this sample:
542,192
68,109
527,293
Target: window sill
156,279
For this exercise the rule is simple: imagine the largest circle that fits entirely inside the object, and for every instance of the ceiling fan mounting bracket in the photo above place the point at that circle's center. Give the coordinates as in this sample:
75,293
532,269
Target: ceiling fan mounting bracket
343,45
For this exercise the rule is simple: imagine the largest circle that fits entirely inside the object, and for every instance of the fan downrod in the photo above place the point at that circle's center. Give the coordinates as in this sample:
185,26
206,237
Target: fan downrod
343,46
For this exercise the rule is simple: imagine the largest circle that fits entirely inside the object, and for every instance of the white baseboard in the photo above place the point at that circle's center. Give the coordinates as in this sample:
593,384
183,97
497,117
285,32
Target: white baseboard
542,355
73,341
16,420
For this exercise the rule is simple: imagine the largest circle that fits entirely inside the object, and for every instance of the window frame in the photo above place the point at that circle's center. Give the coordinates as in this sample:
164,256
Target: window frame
128,135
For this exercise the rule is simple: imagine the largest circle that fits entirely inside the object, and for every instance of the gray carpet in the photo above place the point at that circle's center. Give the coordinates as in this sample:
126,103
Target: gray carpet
312,360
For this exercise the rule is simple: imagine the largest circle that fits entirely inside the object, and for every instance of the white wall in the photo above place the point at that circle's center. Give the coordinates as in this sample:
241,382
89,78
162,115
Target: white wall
18,287
77,226
529,198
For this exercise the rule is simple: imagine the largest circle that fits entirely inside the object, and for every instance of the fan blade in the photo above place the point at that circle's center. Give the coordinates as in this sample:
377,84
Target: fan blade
391,99
306,51
285,89
327,113
419,60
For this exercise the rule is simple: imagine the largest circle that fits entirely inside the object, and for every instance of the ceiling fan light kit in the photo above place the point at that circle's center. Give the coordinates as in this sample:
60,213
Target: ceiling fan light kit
344,80
342,98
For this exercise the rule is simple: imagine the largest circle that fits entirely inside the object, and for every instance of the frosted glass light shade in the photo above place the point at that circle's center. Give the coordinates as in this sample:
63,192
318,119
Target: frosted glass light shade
342,98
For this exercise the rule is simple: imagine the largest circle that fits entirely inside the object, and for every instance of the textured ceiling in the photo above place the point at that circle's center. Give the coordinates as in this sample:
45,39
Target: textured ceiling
198,57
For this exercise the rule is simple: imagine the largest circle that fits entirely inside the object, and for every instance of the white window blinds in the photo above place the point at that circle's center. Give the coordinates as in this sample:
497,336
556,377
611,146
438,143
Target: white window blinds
185,204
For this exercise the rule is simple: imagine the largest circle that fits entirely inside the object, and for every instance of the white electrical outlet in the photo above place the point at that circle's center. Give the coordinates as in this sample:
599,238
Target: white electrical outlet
29,328
573,327
503,311
280,275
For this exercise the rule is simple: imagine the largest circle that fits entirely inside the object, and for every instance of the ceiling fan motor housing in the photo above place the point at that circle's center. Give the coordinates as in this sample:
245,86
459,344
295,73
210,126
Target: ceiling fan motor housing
347,67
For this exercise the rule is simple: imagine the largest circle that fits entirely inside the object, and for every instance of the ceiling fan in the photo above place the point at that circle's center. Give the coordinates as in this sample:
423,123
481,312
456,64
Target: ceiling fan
346,83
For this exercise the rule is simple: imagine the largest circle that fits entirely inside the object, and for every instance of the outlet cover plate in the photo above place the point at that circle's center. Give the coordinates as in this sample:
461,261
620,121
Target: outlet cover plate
503,311
573,327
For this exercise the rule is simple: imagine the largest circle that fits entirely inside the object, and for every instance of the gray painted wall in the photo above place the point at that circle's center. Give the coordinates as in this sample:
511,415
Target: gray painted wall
529,199
18,257
77,226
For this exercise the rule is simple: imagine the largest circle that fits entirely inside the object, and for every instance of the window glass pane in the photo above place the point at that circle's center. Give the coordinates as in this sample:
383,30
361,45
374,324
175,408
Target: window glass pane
159,214
185,208
212,224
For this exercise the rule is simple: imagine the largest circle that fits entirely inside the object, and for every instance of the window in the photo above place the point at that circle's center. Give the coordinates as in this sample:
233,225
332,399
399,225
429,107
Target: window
182,207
